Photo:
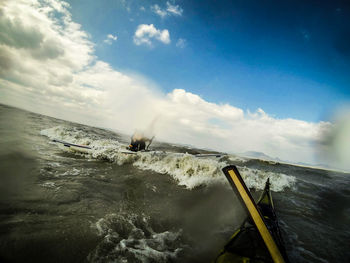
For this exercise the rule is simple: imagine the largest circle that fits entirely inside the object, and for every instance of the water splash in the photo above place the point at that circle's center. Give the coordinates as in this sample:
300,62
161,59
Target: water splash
186,169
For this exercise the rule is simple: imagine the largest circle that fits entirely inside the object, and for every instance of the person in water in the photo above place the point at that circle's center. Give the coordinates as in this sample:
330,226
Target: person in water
137,145
138,142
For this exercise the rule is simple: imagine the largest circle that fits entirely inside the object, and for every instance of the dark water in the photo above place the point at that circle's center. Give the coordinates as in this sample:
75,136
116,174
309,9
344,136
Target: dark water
60,206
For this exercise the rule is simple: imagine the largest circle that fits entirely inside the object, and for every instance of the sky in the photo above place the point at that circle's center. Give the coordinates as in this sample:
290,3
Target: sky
234,76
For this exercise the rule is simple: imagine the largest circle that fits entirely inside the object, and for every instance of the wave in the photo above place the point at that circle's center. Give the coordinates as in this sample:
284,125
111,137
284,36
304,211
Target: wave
185,168
255,178
130,238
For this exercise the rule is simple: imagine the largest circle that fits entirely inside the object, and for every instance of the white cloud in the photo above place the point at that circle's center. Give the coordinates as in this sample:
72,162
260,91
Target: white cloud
110,38
181,43
47,65
234,130
156,9
174,9
145,33
169,10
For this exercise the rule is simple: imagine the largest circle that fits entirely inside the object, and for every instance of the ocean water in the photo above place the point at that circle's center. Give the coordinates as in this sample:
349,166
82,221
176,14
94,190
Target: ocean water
57,205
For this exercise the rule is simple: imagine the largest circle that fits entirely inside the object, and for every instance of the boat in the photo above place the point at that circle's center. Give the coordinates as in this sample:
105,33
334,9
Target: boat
259,237
74,147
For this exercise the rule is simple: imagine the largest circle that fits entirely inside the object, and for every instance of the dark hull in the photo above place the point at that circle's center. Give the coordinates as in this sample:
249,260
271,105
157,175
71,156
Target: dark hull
247,243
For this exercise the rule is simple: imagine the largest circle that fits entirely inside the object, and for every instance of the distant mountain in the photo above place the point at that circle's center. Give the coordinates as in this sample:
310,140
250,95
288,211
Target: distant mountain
259,155
320,166
265,157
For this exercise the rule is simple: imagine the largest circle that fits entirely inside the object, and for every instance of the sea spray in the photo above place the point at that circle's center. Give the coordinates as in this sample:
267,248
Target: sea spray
256,179
186,169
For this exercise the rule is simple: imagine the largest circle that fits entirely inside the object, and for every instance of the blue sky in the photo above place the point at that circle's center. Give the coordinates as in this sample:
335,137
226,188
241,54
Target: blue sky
292,59
233,76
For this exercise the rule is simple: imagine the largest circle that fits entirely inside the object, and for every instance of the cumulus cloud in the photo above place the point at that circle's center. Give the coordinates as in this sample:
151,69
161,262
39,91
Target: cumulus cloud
47,65
169,10
231,129
145,33
110,39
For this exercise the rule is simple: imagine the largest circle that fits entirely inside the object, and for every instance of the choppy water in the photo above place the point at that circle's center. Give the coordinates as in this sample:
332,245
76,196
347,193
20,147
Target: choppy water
169,206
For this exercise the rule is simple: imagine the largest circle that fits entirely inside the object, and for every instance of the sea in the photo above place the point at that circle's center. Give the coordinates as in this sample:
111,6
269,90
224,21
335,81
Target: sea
167,205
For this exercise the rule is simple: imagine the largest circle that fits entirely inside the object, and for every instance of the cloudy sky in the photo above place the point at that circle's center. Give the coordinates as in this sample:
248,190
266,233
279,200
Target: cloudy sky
234,76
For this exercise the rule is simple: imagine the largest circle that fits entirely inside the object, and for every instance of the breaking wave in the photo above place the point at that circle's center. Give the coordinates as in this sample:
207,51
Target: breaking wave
255,178
185,168
130,238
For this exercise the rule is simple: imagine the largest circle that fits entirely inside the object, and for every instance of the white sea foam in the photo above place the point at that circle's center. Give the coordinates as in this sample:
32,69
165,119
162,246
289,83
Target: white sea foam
235,158
186,169
192,172
49,185
130,238
255,178
73,171
68,134
103,149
